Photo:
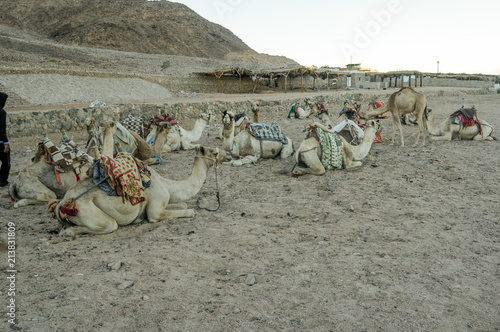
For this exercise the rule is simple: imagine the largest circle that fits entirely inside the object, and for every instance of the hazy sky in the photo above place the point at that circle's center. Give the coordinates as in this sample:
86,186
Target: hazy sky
380,34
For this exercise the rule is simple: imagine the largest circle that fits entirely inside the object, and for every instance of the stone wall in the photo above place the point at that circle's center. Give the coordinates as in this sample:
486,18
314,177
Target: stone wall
37,123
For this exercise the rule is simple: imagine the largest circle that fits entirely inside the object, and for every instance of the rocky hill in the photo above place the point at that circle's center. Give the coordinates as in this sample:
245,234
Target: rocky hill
154,27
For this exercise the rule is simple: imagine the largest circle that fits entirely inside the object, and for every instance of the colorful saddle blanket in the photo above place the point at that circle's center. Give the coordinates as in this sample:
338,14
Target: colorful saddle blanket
127,176
293,110
135,124
466,117
331,149
266,132
67,157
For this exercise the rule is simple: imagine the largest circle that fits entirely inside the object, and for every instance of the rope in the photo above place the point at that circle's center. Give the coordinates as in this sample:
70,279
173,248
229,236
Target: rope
217,193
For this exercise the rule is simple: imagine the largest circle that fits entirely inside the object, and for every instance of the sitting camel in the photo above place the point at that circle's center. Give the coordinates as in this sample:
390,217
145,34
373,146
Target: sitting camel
43,180
348,128
456,126
404,101
312,156
241,119
248,147
180,138
98,213
298,111
107,137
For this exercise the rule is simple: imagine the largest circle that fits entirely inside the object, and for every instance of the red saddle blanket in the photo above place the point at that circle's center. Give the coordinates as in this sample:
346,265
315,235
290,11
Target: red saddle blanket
124,176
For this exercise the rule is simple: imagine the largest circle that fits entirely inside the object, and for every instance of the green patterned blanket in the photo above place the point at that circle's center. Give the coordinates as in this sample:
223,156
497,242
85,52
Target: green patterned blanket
331,149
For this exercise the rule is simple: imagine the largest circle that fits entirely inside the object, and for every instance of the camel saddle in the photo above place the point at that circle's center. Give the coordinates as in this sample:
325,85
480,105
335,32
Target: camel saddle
135,124
331,148
125,176
67,157
293,109
465,117
266,132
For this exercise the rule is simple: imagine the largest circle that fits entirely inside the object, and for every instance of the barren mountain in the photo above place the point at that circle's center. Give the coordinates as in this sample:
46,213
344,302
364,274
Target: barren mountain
155,27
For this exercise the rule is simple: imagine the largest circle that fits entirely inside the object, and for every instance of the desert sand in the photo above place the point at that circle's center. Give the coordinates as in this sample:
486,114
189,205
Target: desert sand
407,242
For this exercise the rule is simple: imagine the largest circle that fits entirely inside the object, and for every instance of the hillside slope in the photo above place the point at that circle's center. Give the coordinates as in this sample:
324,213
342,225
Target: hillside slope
154,27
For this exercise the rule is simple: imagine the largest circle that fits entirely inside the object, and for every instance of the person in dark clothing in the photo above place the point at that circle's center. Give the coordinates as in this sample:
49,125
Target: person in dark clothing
4,143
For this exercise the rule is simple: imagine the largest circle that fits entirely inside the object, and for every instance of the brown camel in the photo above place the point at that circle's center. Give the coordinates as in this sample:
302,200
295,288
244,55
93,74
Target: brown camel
404,101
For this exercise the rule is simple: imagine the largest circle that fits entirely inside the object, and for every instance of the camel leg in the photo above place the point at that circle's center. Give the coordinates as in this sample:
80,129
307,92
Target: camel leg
446,137
348,157
245,160
97,223
176,206
157,211
310,159
36,193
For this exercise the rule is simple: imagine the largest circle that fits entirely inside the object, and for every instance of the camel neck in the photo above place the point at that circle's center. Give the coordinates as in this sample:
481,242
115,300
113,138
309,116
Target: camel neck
185,189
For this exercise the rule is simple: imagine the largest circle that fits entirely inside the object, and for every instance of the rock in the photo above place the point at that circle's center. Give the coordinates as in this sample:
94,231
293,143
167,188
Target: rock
145,297
126,284
114,265
250,280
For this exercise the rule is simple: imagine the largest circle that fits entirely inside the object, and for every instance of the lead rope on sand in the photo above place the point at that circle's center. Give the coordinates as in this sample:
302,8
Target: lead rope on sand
217,194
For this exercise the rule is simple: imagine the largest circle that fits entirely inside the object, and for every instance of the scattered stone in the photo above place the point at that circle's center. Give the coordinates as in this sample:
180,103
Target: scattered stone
290,214
145,297
114,265
74,298
250,280
126,284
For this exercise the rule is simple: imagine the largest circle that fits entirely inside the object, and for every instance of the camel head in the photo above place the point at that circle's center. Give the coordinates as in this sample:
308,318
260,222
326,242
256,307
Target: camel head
162,131
375,124
108,128
206,117
211,156
227,119
40,153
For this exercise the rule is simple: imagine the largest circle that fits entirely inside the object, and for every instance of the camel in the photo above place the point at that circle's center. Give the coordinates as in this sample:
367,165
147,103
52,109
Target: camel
347,127
308,156
404,101
248,148
451,128
99,213
241,119
104,138
38,183
180,138
373,105
300,112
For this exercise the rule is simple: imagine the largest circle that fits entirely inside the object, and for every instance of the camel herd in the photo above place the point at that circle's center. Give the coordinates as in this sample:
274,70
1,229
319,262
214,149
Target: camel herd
79,204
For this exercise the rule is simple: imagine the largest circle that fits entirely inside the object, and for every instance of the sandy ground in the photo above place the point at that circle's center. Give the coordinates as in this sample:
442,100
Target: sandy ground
409,242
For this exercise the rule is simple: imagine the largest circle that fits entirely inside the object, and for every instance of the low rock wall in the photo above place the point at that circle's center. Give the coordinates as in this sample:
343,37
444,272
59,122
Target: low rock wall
51,121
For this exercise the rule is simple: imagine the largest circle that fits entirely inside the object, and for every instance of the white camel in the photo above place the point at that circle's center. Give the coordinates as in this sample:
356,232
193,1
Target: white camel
246,148
180,138
309,155
99,213
451,128
401,102
38,183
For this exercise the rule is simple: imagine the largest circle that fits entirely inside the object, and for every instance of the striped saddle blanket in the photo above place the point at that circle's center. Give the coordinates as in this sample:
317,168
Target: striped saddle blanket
67,156
266,132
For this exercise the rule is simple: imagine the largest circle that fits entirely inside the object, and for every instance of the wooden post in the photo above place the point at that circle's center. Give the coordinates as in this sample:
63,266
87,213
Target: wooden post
218,75
390,81
396,81
301,81
286,80
409,80
421,78
328,81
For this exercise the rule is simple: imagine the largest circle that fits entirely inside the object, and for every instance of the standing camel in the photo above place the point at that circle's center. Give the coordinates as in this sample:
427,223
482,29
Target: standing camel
404,101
